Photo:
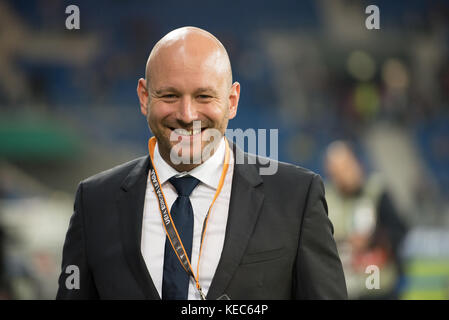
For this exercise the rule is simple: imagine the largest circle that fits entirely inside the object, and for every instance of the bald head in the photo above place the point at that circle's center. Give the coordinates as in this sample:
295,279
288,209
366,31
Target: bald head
190,48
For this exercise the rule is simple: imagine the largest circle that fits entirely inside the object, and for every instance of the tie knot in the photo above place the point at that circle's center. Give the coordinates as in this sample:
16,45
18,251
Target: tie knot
184,185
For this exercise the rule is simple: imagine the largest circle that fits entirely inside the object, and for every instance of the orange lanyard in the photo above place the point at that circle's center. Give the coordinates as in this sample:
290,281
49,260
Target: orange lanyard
167,221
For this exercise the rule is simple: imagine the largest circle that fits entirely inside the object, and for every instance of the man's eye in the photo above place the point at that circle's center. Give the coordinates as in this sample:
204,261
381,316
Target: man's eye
169,96
204,96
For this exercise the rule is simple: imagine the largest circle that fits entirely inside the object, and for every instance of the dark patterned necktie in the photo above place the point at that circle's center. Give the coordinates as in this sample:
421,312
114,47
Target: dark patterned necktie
175,280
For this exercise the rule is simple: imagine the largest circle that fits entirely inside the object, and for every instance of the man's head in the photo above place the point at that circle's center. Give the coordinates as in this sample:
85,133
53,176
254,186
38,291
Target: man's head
343,167
188,78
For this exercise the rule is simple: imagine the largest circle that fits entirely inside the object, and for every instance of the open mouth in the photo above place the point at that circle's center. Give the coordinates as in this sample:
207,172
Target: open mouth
187,132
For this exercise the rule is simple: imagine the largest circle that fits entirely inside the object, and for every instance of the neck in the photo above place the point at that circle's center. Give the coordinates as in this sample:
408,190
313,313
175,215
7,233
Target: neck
182,167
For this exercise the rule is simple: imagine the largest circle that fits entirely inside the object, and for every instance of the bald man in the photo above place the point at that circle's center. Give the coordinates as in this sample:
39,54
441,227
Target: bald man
191,220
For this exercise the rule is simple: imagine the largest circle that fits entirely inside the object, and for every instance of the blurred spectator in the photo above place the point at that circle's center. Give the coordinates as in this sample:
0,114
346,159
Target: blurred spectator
367,227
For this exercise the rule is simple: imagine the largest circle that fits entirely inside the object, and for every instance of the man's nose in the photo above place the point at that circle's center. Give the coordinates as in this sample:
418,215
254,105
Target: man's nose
186,110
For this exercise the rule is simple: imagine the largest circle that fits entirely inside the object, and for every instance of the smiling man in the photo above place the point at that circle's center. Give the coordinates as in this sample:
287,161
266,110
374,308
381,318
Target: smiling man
188,78
189,221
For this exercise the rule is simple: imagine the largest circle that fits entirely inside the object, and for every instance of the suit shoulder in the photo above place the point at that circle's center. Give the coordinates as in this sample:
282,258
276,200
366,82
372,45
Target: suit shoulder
113,175
284,168
296,170
296,176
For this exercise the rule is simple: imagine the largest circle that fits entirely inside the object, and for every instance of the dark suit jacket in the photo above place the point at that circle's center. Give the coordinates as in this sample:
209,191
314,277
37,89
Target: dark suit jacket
278,243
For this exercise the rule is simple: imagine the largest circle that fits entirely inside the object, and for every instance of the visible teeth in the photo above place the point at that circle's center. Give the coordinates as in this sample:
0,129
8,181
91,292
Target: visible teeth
184,132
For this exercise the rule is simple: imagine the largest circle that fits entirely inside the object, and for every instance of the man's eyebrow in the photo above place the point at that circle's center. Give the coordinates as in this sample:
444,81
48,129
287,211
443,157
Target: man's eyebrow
165,89
206,90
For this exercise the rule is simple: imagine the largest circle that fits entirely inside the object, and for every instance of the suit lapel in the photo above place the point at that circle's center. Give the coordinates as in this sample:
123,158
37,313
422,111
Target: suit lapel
244,207
130,203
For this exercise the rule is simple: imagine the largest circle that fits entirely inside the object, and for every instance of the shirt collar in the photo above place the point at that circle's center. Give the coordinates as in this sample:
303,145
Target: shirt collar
209,172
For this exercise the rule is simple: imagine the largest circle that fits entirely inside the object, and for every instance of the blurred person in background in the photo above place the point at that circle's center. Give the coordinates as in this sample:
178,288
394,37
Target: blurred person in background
367,227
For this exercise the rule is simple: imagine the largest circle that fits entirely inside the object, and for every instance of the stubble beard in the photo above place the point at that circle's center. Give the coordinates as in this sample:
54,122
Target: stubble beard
165,146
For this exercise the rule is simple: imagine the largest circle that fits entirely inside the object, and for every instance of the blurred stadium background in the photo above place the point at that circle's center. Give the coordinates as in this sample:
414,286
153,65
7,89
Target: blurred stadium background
69,109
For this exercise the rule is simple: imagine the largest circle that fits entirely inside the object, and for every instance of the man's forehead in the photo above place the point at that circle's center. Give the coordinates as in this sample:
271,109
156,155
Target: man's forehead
186,80
182,56
187,72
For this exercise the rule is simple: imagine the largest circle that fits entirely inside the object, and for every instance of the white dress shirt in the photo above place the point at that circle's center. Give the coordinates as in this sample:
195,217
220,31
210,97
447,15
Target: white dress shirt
153,234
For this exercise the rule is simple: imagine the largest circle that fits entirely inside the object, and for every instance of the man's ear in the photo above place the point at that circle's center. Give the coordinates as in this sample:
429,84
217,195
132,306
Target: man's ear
143,94
234,97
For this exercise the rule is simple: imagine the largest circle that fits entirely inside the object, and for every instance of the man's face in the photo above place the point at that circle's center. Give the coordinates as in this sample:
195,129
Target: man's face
184,88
